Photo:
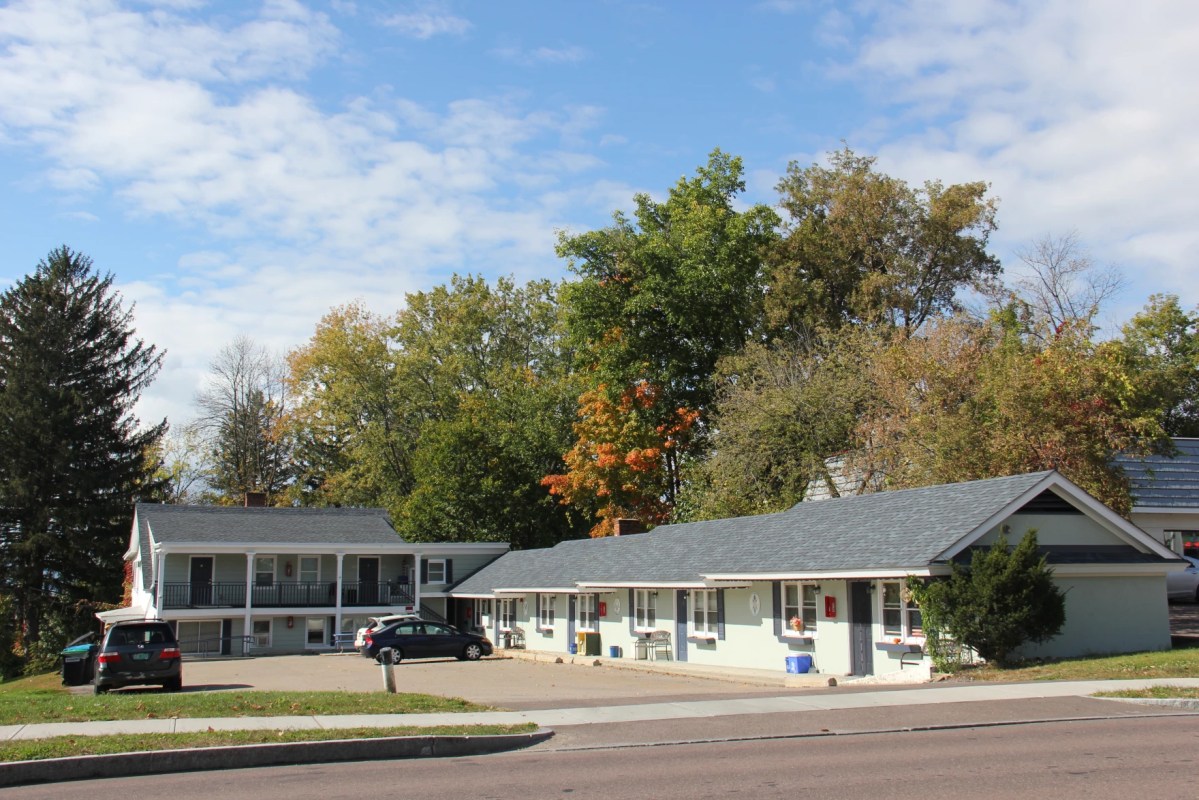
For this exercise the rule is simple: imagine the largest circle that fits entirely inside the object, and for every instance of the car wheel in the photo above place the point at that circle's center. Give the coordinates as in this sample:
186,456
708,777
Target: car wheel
472,652
396,655
98,689
173,685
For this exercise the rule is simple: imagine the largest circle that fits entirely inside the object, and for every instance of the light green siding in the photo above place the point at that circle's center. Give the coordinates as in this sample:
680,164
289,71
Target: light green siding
1054,529
1109,615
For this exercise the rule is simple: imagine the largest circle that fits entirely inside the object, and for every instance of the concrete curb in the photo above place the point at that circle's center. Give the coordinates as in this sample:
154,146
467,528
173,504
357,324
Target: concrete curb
1169,702
119,765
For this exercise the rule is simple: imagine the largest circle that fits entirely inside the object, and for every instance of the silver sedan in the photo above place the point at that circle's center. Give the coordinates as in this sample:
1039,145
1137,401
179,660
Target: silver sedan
1184,585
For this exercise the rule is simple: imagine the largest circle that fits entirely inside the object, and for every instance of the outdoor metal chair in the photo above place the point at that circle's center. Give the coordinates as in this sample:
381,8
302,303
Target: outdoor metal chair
659,642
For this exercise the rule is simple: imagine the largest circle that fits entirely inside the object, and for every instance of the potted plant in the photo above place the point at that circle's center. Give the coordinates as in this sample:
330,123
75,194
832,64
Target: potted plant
797,624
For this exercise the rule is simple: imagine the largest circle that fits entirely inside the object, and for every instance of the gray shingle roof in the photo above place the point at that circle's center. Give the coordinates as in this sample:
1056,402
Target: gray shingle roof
1165,481
887,530
225,525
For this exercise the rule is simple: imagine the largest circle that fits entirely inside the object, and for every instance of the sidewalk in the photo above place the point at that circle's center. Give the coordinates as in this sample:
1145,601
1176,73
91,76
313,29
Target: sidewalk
561,717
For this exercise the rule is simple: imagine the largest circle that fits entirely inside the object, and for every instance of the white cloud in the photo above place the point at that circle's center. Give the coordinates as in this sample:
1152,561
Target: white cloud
426,20
1078,113
303,208
569,54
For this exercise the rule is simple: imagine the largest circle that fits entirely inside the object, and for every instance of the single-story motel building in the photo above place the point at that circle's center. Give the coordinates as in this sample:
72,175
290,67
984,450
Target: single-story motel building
825,580
822,581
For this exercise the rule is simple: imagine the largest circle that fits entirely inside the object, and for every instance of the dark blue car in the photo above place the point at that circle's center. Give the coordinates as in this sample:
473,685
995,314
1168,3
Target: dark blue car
422,639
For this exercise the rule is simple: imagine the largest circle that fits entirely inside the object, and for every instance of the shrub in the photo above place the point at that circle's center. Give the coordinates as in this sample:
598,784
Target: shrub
1005,598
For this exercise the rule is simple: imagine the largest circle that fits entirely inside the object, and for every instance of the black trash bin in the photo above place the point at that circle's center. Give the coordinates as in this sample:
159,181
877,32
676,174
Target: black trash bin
78,664
79,661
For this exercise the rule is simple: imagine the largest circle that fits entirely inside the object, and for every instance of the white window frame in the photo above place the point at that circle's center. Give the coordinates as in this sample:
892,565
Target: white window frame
546,616
481,612
801,599
258,572
507,613
429,563
324,642
270,630
704,622
586,608
910,619
645,610
300,569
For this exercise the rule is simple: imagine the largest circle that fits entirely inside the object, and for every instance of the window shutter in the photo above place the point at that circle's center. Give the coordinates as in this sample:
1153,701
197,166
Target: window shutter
632,612
424,571
776,599
537,612
449,570
720,613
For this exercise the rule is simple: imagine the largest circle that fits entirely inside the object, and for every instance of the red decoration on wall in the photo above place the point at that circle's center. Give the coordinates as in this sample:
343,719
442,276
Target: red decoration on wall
830,607
603,609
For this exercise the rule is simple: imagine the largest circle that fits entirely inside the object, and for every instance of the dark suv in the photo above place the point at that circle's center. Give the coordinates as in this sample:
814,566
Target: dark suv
139,653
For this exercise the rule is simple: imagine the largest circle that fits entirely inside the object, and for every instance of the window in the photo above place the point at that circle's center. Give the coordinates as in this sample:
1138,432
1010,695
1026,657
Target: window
703,612
546,620
264,570
900,617
645,603
507,614
262,633
587,617
799,602
314,631
199,636
310,569
435,570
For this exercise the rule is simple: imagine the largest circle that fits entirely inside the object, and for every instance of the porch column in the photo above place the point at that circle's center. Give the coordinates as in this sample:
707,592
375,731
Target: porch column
247,626
160,565
416,573
337,604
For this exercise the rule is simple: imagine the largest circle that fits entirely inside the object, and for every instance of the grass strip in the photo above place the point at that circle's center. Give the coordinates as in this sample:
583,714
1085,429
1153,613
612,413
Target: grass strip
1177,663
41,705
66,746
1156,693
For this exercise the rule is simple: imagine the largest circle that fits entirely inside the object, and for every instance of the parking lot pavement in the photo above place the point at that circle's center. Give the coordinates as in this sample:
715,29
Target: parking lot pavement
501,682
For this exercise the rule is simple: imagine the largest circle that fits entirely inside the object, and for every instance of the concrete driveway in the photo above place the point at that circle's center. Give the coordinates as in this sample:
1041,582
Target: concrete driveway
502,682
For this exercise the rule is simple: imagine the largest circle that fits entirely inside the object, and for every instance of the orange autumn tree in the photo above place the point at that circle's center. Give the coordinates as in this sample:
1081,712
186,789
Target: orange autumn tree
624,462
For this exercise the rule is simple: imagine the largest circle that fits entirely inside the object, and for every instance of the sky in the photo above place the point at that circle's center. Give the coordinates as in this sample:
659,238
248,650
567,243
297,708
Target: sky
242,168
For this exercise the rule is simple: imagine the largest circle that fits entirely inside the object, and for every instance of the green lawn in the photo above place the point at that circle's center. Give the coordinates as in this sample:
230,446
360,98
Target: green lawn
1176,663
63,746
43,699
1156,692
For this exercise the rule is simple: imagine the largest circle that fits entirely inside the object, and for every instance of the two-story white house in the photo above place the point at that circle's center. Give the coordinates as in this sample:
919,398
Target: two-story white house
285,579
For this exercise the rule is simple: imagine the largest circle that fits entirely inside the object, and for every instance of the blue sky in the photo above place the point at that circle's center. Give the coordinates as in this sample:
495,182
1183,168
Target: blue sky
243,167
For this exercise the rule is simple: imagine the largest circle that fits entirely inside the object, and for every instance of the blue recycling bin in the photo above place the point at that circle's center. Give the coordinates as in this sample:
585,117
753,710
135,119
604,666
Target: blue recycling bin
799,665
574,648
614,651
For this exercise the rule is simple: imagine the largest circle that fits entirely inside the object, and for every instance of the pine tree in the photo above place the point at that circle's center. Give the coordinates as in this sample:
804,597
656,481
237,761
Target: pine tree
73,458
1006,597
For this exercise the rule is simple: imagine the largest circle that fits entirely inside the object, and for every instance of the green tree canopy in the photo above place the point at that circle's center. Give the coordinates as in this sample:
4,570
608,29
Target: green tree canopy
863,247
73,458
659,299
1162,346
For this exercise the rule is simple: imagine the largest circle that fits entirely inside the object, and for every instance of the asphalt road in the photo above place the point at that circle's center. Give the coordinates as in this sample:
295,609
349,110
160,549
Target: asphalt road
1126,757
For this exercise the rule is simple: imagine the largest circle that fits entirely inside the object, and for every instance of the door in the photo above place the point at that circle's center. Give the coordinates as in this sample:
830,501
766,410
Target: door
861,630
368,581
200,579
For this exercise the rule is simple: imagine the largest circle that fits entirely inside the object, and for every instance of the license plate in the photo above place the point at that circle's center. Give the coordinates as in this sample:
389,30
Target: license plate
141,656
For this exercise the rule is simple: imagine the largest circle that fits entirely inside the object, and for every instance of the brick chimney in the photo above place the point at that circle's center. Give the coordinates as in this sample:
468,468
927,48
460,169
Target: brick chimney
255,499
627,527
